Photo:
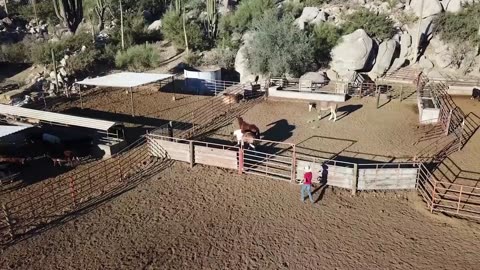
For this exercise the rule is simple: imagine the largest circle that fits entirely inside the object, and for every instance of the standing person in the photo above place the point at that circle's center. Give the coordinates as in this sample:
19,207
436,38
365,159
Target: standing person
307,184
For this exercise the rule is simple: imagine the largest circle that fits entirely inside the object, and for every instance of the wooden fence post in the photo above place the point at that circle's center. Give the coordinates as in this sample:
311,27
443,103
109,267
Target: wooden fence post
460,145
294,165
7,220
355,179
192,153
433,195
459,199
378,97
449,119
120,169
240,160
72,190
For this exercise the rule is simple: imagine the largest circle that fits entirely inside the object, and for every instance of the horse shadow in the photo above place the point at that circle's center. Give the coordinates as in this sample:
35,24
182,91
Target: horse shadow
348,109
279,130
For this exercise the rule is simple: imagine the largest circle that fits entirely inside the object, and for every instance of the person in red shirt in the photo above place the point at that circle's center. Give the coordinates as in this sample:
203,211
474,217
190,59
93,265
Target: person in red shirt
307,184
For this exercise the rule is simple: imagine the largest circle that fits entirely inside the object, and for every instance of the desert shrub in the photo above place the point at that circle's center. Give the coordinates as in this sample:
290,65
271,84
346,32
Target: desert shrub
223,57
138,58
315,3
83,62
45,11
193,59
376,25
407,17
14,53
325,37
42,53
172,29
249,11
154,7
293,8
460,27
279,47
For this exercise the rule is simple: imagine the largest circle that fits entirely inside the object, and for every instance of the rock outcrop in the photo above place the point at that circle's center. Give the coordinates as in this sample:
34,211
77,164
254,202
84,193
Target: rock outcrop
352,54
386,51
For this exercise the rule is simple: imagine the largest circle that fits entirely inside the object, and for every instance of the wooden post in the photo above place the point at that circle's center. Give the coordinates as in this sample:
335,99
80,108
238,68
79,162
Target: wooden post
240,160
55,70
7,221
80,92
106,173
449,119
401,93
433,196
131,100
192,152
72,190
294,164
459,199
355,179
378,98
460,145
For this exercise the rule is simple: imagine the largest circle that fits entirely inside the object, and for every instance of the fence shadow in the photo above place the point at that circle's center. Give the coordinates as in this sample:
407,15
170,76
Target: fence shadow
92,204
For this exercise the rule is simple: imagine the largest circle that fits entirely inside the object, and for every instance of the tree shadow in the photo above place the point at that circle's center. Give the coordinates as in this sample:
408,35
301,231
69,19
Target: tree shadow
279,130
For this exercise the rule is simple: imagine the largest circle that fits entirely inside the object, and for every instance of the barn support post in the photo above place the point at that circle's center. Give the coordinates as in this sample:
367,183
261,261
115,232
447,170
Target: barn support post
240,160
355,179
131,100
7,221
192,154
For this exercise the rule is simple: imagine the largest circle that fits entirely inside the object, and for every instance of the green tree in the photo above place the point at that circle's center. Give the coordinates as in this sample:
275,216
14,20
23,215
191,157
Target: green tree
249,11
279,47
376,25
457,28
172,29
325,37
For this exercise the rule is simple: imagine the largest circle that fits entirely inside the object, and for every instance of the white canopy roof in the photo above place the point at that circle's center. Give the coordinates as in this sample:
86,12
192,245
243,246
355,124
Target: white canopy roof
57,118
7,130
125,79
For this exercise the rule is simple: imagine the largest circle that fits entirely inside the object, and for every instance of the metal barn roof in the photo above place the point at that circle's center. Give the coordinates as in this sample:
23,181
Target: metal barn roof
57,118
7,130
125,79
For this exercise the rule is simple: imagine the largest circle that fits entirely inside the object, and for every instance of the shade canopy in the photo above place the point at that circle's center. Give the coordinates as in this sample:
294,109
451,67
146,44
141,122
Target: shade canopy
125,79
8,130
57,118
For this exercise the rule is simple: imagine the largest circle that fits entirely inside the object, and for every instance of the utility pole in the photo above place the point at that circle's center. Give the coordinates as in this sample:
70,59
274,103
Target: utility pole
419,30
34,4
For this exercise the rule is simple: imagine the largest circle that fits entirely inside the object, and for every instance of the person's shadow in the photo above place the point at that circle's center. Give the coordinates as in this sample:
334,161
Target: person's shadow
323,179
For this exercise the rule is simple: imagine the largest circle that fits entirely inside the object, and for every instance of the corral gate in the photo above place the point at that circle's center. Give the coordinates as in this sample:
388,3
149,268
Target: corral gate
278,163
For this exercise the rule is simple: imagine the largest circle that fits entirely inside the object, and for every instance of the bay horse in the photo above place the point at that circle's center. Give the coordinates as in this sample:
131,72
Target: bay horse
323,105
247,137
245,127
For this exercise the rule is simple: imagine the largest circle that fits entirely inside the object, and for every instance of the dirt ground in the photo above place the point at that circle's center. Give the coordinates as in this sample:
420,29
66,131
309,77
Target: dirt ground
207,218
211,218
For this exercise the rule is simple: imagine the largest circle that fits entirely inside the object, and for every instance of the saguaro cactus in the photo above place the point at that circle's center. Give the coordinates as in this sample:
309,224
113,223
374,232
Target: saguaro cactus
212,16
70,12
100,9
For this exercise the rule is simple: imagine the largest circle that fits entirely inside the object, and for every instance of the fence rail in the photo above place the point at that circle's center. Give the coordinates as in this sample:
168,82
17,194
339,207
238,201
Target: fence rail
46,202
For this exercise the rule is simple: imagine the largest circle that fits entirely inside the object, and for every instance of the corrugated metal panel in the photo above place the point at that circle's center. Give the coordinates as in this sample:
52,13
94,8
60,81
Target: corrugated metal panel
57,118
125,79
7,130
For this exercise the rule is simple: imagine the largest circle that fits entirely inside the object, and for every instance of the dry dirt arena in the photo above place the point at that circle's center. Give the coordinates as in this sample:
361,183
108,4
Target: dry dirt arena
209,218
